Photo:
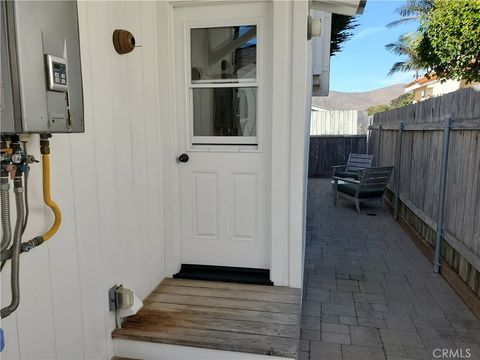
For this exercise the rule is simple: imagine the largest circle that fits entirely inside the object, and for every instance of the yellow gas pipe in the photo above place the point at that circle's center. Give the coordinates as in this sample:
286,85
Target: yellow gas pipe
45,151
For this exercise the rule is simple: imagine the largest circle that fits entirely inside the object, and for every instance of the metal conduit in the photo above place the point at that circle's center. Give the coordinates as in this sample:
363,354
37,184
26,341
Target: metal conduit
17,238
6,224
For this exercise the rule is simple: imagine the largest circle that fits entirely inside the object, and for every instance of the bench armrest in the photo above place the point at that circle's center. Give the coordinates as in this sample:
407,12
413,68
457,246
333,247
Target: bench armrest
337,167
352,181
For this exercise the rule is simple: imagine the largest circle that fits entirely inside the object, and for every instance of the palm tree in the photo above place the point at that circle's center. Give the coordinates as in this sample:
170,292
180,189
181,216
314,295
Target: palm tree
407,43
412,10
406,46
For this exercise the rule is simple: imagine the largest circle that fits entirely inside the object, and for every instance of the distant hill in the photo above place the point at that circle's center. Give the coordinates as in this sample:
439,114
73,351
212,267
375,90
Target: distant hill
358,100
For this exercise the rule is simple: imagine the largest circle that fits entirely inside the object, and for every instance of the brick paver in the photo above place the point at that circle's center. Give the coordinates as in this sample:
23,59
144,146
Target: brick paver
370,294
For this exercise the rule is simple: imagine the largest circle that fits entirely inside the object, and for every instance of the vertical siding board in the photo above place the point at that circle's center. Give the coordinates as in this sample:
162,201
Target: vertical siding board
139,168
66,295
106,160
11,351
123,148
9,324
97,178
154,149
89,248
84,173
30,285
35,281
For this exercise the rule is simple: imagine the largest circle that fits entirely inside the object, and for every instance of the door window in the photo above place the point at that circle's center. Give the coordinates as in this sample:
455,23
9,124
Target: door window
223,85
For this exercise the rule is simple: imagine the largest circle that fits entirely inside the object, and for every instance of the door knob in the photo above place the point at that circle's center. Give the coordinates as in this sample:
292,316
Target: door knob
183,158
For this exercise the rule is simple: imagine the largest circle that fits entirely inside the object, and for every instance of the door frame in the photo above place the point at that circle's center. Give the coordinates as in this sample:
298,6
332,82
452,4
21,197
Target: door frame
289,67
251,159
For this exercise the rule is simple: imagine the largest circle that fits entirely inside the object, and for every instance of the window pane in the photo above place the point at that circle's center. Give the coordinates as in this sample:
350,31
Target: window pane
223,54
225,111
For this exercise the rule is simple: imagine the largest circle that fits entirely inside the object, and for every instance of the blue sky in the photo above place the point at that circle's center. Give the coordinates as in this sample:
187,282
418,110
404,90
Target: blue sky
363,63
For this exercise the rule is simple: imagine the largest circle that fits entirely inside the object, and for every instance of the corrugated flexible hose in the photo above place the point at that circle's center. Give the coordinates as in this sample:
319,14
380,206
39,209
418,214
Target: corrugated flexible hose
48,200
6,225
17,238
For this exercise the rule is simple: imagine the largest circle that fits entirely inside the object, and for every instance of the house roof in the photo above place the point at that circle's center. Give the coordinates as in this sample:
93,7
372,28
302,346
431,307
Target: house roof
342,7
422,80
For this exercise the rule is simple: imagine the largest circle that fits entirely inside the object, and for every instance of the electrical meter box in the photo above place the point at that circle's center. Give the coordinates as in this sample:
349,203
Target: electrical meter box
41,81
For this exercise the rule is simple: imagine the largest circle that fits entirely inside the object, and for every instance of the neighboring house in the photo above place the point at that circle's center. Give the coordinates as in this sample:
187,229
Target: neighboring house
225,84
338,122
424,88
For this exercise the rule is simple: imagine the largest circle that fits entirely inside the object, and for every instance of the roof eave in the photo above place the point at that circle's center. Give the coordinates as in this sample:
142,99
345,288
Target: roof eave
342,7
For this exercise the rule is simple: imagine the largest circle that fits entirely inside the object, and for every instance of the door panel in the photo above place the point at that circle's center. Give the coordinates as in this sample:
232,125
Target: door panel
224,192
205,207
244,206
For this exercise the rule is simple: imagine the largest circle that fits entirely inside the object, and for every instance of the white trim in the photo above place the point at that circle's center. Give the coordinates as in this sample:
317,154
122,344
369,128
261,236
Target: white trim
212,85
191,3
158,351
301,81
342,7
280,129
206,140
225,148
168,112
229,81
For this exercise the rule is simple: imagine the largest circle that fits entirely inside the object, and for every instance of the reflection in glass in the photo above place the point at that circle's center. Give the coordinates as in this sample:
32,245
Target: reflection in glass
223,54
224,111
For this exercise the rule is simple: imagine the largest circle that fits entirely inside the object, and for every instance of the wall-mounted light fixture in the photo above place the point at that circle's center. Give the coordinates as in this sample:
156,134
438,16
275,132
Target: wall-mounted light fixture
314,27
123,41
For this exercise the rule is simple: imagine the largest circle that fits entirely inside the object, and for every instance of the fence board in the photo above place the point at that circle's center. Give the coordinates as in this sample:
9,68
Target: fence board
327,151
339,122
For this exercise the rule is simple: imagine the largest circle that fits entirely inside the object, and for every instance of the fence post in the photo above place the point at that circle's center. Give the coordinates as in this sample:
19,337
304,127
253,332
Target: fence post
379,144
398,162
441,198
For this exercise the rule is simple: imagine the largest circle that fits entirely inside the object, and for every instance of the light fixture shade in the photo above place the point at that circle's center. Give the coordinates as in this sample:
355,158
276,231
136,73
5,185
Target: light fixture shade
123,41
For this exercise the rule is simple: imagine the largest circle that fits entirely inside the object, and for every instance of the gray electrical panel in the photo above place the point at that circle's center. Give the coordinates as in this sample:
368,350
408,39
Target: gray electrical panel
41,79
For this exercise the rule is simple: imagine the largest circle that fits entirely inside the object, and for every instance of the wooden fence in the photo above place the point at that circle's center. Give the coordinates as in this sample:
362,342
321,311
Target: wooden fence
418,170
327,151
339,122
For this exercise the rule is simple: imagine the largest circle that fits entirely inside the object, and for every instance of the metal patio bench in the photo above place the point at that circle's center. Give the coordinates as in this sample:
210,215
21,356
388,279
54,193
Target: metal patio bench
371,186
355,163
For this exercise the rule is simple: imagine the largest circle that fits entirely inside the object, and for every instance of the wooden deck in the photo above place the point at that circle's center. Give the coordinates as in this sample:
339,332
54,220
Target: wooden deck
223,316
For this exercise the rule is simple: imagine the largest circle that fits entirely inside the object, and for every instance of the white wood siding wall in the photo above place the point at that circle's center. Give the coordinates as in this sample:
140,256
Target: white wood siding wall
339,122
107,183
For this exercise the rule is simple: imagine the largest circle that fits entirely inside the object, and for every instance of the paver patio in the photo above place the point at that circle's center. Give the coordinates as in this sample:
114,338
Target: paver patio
369,292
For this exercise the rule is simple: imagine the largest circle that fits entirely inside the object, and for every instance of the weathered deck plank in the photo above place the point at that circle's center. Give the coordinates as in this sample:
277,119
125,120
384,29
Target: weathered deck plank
230,286
222,316
224,303
227,294
231,314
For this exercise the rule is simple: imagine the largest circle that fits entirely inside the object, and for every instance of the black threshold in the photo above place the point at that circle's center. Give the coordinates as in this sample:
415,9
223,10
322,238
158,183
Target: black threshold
224,273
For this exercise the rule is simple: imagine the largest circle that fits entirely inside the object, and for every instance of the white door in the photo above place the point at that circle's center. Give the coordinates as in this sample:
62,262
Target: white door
223,116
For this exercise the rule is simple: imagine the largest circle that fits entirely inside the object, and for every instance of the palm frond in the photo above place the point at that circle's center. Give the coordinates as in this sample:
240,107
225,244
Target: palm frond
400,66
403,20
398,48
